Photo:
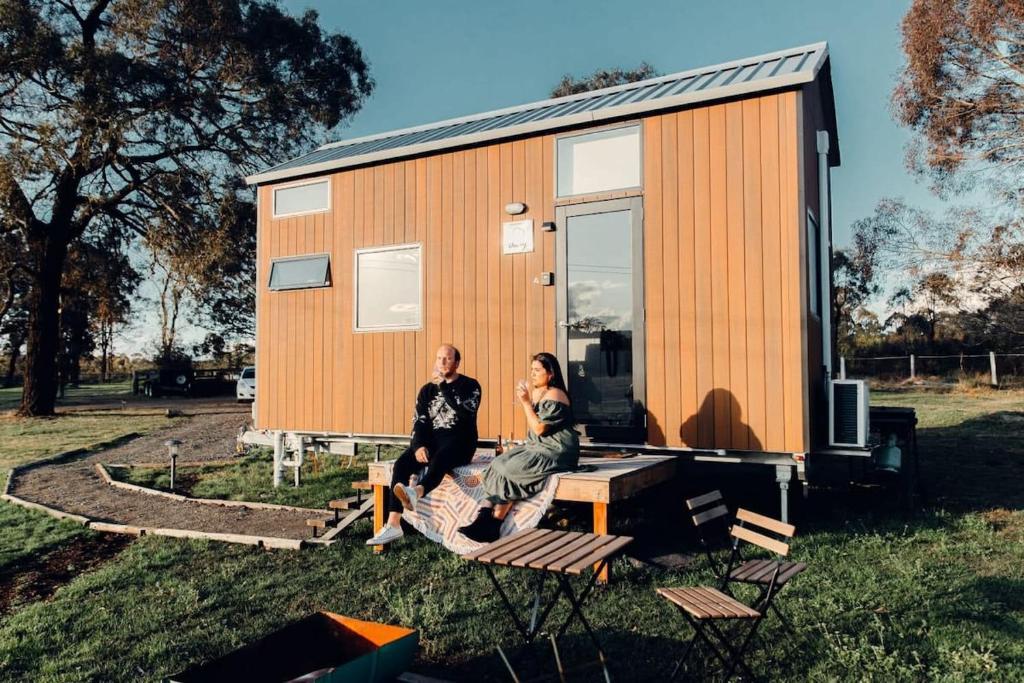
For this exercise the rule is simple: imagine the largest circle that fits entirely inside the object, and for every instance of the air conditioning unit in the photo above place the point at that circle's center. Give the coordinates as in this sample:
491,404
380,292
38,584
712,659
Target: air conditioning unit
848,422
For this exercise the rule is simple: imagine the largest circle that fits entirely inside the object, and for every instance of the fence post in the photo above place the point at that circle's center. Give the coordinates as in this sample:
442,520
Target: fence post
842,367
992,365
912,375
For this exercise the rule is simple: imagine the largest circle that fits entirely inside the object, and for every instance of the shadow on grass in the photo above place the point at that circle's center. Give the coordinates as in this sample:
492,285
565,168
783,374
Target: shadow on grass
990,602
630,657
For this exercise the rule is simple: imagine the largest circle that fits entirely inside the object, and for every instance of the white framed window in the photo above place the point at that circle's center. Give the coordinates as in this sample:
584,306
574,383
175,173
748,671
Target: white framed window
388,288
600,161
813,263
300,272
312,196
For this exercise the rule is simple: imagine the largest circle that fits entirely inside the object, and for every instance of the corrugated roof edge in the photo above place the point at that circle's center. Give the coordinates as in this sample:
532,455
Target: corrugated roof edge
804,75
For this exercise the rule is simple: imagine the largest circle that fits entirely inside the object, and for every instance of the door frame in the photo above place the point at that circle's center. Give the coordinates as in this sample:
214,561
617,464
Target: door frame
635,206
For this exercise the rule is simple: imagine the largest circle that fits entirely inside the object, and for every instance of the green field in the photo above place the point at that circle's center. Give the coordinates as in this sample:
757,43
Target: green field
933,595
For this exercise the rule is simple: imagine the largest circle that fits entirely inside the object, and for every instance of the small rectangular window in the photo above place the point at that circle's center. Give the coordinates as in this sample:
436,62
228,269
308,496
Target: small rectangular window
813,263
305,198
300,272
388,288
599,162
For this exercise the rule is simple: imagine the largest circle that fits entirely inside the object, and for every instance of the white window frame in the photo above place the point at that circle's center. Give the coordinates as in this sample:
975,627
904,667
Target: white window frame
287,186
299,257
355,288
601,129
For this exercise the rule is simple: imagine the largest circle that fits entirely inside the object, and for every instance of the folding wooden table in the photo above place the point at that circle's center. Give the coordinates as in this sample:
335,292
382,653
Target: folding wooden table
558,553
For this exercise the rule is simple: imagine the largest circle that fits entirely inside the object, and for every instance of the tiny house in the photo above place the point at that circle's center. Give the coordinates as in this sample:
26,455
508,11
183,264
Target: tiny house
668,239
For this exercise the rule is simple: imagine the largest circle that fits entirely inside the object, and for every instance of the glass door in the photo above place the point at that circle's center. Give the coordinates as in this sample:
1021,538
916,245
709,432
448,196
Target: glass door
600,316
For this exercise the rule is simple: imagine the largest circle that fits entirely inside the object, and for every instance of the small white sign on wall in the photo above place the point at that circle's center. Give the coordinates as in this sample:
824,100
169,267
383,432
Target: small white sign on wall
517,237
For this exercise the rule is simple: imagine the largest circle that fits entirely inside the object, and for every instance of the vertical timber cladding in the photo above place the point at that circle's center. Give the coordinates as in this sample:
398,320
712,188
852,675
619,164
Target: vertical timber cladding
726,322
316,374
726,325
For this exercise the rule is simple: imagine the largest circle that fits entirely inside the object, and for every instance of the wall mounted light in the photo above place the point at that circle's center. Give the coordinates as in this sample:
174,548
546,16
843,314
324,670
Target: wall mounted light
548,226
515,208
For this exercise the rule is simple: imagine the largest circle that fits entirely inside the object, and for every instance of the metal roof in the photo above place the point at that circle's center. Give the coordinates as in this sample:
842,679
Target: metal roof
786,68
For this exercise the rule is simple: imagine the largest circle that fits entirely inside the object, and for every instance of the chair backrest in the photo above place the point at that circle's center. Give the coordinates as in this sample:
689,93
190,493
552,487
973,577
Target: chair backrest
711,506
742,532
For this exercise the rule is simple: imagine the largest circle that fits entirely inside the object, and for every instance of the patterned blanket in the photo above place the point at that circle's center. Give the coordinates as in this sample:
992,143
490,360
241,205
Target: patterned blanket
454,503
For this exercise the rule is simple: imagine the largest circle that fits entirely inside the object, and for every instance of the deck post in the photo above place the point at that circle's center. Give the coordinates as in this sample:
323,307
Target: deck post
278,456
842,367
783,475
992,366
378,515
913,372
601,528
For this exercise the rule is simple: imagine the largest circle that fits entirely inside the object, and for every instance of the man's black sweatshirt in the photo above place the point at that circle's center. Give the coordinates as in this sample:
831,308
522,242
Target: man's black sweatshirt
446,414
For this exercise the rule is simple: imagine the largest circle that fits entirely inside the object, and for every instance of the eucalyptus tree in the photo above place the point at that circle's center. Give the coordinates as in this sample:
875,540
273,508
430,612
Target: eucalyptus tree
136,112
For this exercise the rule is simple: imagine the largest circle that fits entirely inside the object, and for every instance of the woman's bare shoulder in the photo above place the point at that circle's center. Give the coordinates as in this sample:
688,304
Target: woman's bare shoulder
555,395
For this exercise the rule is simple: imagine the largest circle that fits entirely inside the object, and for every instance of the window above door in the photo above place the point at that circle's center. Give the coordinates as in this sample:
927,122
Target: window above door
599,161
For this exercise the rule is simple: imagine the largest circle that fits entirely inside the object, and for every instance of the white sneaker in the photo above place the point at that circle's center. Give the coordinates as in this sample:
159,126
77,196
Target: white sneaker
386,535
407,496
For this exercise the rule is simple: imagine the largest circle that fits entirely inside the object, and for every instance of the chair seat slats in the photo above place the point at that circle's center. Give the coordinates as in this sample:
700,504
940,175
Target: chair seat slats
704,602
760,571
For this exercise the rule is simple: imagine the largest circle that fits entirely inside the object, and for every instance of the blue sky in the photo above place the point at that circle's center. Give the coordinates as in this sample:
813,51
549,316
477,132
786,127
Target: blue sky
442,59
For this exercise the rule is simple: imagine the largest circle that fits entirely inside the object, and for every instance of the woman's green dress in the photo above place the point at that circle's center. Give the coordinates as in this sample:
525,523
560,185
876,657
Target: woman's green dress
521,471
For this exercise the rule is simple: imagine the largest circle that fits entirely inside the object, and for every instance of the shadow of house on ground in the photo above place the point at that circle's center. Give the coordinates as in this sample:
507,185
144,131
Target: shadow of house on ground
977,464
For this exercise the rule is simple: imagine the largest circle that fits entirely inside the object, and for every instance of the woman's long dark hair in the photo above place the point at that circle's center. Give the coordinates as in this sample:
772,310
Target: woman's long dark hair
550,364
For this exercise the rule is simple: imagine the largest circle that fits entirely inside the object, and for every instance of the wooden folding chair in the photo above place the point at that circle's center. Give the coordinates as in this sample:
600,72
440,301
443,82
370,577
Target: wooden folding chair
711,518
703,606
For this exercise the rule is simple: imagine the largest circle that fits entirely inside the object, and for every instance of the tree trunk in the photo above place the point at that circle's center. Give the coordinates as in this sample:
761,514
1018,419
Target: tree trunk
105,335
39,395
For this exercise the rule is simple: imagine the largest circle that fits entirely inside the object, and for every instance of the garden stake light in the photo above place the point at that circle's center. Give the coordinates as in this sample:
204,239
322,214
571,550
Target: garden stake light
172,450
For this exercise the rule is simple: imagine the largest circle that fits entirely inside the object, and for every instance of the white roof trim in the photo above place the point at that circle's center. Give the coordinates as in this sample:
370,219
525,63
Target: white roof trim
805,75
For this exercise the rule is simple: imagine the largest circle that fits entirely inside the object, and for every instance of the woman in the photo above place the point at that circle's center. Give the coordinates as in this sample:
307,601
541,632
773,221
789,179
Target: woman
552,445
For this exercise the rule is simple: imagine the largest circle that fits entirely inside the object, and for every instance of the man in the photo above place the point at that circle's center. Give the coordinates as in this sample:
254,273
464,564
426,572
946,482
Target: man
444,437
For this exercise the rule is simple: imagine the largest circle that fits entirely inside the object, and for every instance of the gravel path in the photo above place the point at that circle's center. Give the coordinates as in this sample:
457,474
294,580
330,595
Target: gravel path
75,486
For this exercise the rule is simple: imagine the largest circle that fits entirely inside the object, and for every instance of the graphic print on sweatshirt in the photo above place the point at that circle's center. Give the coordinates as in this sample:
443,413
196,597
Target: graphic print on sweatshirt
442,415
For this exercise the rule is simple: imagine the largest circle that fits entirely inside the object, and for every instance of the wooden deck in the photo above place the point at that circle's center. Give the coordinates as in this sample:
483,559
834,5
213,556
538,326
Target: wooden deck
614,479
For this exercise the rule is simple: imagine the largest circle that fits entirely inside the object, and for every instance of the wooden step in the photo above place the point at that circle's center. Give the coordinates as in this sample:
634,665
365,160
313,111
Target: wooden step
349,503
316,524
362,485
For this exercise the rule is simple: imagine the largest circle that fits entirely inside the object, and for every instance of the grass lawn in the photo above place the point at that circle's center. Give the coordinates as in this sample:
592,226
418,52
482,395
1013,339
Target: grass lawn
10,397
938,594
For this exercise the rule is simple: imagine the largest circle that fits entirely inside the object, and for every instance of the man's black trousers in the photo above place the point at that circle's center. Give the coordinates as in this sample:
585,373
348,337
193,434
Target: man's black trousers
443,459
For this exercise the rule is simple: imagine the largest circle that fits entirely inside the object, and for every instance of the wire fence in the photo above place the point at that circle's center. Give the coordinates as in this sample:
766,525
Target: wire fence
993,369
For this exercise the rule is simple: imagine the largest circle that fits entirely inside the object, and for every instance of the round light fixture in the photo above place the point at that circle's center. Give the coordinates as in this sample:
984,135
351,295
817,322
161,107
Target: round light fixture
515,208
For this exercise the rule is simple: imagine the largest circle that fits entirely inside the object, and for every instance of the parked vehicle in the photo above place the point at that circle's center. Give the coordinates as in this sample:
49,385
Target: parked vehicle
245,389
154,383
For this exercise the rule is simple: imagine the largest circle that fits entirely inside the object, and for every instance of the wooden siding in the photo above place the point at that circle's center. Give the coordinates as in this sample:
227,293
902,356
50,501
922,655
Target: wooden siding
726,329
725,321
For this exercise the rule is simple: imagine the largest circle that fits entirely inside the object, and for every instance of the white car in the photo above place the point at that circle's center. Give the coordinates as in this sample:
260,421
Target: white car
245,389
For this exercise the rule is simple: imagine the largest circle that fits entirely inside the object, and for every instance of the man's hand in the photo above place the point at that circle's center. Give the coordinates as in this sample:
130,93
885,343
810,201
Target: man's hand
422,455
436,377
